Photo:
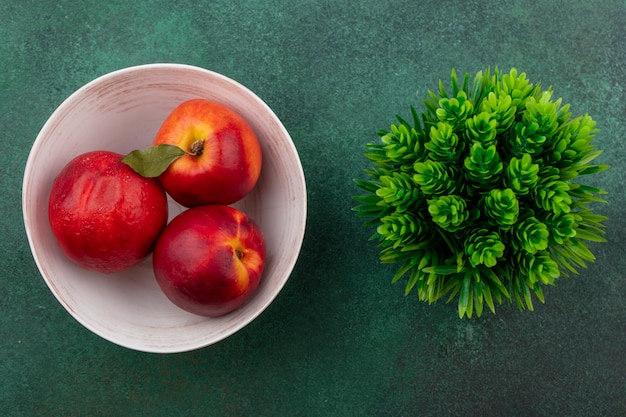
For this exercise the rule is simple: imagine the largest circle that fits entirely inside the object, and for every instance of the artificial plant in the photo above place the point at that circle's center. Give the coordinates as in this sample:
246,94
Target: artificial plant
478,198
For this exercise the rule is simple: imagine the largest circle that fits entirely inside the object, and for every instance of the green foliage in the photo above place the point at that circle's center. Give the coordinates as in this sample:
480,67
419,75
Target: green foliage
454,110
398,190
435,178
484,248
521,174
501,207
482,128
444,144
530,235
449,212
483,167
474,199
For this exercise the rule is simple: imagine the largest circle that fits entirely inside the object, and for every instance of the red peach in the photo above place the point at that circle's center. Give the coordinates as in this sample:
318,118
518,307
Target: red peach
104,216
209,259
223,159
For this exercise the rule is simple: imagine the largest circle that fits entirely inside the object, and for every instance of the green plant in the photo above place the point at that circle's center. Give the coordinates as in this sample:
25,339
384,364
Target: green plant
477,199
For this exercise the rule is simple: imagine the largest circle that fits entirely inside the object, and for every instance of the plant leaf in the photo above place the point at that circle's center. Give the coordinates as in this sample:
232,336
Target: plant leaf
488,299
403,270
464,297
478,297
153,161
413,278
587,235
441,269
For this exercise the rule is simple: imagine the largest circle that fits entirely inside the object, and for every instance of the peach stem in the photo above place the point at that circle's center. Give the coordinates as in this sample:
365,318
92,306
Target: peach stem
197,147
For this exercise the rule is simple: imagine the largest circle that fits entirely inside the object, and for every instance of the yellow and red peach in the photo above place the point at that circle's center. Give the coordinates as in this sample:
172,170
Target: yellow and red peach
223,158
209,259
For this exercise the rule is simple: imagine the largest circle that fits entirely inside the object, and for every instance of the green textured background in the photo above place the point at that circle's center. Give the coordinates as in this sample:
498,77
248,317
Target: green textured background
340,340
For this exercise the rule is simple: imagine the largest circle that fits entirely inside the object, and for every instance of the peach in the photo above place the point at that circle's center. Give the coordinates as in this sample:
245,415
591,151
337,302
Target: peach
222,160
209,259
104,216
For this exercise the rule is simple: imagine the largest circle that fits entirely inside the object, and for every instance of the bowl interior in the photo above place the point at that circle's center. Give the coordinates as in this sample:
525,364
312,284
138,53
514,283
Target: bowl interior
122,111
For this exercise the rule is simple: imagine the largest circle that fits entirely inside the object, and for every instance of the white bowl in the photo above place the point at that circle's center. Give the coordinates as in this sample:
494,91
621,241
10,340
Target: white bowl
122,111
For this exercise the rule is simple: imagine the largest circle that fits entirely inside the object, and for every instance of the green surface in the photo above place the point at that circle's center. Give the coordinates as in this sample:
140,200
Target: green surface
340,340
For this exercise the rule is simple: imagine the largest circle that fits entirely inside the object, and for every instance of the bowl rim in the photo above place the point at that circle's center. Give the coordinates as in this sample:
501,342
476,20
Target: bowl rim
27,182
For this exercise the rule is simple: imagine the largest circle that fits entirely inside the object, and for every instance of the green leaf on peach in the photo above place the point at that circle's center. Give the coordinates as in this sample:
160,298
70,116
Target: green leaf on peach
153,161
